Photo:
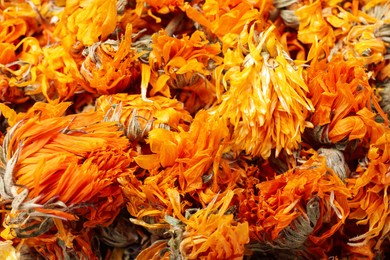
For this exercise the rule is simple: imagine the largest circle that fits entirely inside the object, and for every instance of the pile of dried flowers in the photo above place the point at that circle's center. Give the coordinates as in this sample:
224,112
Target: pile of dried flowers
204,129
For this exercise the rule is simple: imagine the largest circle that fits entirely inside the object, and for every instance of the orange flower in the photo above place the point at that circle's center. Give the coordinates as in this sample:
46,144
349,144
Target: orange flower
362,43
19,19
186,154
370,204
59,77
362,33
49,73
343,99
210,233
226,19
50,247
314,30
139,117
265,100
305,204
44,152
180,159
87,21
110,66
182,63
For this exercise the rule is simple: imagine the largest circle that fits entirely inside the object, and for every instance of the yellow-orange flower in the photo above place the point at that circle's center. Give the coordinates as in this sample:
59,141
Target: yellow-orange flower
180,159
208,233
226,19
284,212
45,74
58,75
362,33
343,99
190,153
265,100
370,204
110,66
139,117
44,152
183,64
211,233
314,30
87,21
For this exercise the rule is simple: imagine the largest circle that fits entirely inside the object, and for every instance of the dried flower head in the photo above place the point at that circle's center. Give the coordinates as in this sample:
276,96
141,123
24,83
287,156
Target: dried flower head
369,206
139,117
273,115
343,98
87,21
276,208
43,153
182,64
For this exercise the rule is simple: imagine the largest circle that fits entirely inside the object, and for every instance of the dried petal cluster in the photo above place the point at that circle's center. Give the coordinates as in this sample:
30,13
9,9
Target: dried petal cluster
203,129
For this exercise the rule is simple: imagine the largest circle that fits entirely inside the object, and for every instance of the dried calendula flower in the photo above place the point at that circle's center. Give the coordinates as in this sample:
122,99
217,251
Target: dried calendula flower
186,154
50,247
12,29
294,237
280,202
58,75
46,74
110,66
365,45
369,206
43,153
19,71
87,21
362,34
180,63
179,160
139,117
225,19
313,29
209,233
273,114
21,19
343,98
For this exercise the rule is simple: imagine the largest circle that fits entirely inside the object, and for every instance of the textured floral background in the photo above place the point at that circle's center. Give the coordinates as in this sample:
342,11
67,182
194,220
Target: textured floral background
216,129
